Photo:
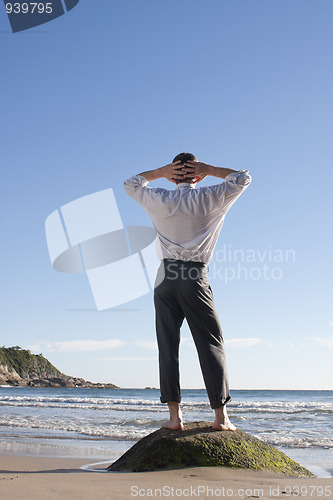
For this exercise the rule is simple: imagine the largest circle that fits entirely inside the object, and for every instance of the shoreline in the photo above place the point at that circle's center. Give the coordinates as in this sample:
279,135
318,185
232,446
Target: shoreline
88,462
47,452
319,463
33,477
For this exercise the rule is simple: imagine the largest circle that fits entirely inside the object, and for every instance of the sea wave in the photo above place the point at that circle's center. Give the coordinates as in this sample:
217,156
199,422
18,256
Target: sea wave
281,419
126,404
72,429
294,441
135,430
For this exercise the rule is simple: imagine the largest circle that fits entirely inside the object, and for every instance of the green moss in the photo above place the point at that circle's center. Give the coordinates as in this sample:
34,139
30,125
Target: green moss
198,445
241,453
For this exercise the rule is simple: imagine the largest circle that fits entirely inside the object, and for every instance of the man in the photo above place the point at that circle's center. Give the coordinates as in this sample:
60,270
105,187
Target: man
188,222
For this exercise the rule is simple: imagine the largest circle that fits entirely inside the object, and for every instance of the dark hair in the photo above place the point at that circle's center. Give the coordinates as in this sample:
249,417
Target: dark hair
184,157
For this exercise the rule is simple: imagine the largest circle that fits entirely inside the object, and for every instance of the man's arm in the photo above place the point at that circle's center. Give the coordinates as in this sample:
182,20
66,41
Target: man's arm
168,171
200,170
136,186
227,192
221,172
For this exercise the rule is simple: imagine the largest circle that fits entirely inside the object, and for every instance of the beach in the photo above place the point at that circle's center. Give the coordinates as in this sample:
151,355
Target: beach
57,443
67,478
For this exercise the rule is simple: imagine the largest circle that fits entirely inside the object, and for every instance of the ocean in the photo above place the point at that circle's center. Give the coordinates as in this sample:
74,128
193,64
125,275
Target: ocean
101,424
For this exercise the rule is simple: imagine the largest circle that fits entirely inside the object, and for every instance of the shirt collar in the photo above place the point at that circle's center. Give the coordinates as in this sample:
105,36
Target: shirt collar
186,184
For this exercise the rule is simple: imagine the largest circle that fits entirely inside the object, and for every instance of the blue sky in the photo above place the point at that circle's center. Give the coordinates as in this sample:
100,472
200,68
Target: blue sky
114,88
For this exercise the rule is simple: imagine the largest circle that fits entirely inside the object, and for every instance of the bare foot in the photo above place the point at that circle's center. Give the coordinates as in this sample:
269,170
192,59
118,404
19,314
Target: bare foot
175,425
176,421
223,427
222,422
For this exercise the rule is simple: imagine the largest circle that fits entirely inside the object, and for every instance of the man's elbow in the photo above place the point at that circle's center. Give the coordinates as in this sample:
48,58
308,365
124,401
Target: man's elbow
244,179
129,185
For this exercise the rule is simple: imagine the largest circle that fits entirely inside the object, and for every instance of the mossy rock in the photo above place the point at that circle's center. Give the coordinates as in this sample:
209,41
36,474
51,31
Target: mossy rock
199,445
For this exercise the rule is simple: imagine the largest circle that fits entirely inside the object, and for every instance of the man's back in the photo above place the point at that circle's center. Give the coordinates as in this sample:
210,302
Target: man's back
188,220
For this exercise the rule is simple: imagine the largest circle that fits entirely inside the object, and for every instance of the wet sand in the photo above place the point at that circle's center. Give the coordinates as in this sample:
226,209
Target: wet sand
44,478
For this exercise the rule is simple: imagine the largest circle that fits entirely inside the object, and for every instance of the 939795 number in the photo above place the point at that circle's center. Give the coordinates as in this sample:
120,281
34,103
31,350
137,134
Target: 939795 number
28,8
308,491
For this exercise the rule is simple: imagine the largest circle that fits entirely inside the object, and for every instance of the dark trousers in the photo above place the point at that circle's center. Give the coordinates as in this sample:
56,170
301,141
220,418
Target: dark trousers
182,291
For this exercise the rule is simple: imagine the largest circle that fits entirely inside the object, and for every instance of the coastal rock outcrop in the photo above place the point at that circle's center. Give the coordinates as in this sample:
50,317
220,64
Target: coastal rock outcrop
199,445
19,367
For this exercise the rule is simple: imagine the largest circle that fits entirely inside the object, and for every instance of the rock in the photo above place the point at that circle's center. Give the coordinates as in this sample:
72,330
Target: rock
199,445
19,367
49,382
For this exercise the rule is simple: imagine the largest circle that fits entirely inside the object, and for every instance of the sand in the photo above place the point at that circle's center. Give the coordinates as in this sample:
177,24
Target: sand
23,477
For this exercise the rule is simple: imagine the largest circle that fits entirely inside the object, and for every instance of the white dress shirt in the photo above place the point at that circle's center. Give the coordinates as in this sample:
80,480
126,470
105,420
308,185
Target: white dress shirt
188,220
